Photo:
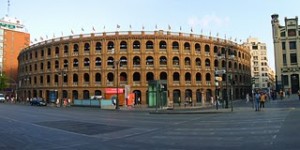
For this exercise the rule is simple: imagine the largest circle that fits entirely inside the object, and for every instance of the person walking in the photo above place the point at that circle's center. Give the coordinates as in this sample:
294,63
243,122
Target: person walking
257,98
247,98
262,100
281,94
299,94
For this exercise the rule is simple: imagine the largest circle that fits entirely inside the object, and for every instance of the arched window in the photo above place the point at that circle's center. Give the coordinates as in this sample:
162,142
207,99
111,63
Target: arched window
75,78
123,61
149,61
208,77
98,62
149,45
163,60
136,45
176,76
187,46
207,48
187,61
198,77
75,48
123,45
98,47
216,64
56,64
48,53
48,65
136,76
66,49
56,50
216,49
162,45
197,47
75,63
123,76
149,76
163,76
198,62
75,94
42,66
86,47
229,64
98,77
175,45
86,77
86,94
136,61
110,46
207,63
176,61
187,76
86,62
98,93
66,64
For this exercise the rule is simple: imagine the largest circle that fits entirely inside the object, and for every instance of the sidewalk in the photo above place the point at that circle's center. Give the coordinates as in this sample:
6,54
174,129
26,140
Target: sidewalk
176,109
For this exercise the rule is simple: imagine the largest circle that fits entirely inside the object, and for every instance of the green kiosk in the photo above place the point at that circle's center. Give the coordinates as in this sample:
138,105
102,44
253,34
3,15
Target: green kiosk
157,93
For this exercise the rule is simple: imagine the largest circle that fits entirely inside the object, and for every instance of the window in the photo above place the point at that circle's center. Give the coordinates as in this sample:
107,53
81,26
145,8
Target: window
284,59
86,47
293,45
293,58
292,32
283,45
98,46
254,47
282,34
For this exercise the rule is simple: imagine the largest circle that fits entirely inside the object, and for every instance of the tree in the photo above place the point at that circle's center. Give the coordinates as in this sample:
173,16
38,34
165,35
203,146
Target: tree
3,82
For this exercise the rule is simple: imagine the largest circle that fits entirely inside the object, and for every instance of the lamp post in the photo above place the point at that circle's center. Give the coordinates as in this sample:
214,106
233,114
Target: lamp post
282,82
227,50
117,86
62,74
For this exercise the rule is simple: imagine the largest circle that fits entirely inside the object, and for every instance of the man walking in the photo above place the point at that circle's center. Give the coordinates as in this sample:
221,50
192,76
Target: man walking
257,99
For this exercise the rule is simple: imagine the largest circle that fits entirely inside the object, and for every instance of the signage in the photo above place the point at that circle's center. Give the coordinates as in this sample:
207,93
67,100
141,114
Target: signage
218,78
114,90
220,71
5,25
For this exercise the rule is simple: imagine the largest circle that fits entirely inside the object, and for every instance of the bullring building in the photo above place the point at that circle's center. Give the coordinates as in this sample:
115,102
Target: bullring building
86,65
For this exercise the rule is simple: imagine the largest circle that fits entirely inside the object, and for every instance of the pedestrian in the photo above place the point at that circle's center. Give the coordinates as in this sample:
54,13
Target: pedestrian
212,100
281,94
57,102
262,100
179,101
299,94
247,98
139,101
257,99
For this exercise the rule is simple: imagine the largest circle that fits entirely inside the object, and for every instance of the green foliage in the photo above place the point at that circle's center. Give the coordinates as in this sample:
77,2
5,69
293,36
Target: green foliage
3,82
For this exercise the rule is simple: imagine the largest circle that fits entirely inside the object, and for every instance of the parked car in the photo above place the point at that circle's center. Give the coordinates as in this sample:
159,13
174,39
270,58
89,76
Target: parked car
38,102
2,98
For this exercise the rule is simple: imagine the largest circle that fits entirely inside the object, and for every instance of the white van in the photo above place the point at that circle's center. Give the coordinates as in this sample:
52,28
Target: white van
2,98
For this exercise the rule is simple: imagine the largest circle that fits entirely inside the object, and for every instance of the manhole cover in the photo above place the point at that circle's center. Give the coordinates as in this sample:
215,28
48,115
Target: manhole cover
82,127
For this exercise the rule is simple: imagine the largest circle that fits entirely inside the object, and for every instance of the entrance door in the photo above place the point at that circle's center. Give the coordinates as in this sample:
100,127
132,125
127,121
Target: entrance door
295,83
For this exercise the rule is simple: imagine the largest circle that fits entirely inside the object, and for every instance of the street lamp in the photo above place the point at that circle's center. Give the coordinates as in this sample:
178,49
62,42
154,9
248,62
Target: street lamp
227,50
62,74
117,86
282,83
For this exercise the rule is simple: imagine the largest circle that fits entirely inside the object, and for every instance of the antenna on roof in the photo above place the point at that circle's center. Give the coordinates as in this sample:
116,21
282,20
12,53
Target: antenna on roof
8,5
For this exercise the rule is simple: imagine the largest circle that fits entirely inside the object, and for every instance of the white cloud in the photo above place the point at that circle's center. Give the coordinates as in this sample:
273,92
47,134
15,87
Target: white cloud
208,21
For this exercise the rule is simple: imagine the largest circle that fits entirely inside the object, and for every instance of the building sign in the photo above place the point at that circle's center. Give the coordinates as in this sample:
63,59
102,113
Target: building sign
113,90
5,25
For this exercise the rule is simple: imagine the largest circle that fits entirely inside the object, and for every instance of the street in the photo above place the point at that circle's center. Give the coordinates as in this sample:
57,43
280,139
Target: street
275,127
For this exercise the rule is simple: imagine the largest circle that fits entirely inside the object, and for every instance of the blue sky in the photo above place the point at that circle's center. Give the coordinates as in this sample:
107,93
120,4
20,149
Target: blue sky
238,19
